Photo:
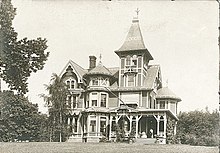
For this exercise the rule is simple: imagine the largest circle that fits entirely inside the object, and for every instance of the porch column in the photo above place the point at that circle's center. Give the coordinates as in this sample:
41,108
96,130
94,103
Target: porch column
158,125
78,126
73,125
71,101
130,120
110,127
146,126
174,131
137,119
165,126
98,125
88,121
68,121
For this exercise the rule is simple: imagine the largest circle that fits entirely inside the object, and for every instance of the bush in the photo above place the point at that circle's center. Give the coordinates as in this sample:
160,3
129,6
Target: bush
198,128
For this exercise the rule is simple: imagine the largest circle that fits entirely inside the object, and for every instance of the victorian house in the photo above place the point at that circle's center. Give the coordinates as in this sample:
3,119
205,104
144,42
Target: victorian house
130,96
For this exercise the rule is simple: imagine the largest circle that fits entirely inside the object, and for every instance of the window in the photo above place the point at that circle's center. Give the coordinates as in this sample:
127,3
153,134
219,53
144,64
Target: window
162,105
95,82
102,125
154,104
122,63
130,80
94,102
93,125
104,81
68,84
72,84
161,126
134,62
69,101
128,60
75,125
74,101
103,100
139,61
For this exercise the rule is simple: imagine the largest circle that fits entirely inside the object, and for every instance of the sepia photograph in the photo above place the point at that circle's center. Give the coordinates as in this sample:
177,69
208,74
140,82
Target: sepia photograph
109,76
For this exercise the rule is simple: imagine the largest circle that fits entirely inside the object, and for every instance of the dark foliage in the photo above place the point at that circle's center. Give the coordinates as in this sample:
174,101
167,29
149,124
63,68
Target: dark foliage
18,58
199,128
20,119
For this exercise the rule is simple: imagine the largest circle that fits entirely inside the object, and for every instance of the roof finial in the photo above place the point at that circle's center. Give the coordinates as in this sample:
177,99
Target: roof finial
137,11
100,58
167,83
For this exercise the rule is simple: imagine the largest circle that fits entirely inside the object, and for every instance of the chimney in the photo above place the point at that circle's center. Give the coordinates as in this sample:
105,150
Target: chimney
92,62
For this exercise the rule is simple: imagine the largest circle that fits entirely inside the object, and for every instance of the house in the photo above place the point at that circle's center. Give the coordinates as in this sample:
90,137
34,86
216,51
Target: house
129,97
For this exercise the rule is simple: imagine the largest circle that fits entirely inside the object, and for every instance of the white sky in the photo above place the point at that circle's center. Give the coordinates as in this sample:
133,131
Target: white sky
181,36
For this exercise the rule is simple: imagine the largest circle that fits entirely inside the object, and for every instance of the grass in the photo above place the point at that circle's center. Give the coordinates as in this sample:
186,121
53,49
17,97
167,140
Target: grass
53,147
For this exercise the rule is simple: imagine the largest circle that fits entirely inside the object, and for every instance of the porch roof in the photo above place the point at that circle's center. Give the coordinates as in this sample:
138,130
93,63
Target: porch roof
97,109
145,110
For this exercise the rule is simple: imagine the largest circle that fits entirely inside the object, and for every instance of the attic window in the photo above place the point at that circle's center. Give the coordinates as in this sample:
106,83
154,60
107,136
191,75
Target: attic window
70,84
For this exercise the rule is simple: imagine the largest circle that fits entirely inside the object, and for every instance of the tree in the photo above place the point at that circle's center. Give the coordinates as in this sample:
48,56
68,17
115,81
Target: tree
56,101
18,58
198,127
20,119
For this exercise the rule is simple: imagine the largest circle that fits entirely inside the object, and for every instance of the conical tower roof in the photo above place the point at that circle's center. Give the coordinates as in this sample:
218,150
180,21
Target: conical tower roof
166,93
134,40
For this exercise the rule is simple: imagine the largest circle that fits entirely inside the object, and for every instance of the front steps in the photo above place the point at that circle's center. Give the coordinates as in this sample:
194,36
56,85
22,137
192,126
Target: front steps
145,141
74,139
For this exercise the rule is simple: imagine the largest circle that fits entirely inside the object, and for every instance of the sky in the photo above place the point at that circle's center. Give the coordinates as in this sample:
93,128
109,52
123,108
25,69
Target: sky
181,36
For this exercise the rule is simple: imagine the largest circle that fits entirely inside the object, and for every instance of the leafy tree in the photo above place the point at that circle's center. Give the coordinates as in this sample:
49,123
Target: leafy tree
18,58
20,119
56,101
198,127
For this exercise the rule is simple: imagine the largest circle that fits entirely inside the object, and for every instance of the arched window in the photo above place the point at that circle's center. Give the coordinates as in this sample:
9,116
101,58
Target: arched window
70,83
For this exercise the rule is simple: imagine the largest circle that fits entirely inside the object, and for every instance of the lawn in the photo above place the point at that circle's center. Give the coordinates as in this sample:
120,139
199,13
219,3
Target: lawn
53,147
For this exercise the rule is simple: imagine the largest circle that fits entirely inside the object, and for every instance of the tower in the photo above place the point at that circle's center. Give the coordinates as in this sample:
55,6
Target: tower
134,58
